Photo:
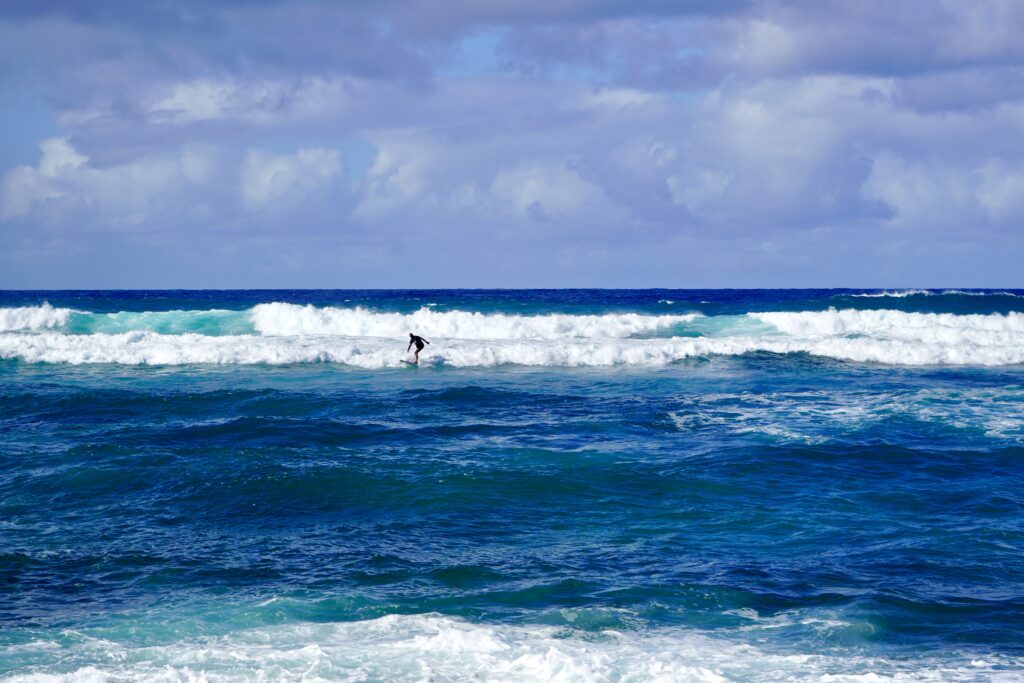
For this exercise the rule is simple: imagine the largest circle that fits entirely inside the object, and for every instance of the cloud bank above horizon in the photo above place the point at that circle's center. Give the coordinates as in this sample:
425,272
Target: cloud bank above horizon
733,143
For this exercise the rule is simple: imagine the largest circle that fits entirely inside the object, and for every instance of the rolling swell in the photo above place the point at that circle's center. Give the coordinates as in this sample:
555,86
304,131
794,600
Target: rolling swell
387,467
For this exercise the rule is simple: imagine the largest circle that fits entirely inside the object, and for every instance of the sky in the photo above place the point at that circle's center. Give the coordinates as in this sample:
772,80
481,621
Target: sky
511,143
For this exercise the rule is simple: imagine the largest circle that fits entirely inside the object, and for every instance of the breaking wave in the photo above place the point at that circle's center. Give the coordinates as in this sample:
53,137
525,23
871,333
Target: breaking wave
932,329
44,317
279,319
282,319
279,333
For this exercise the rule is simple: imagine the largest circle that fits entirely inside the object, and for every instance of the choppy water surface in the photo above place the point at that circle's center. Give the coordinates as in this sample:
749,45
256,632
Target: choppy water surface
574,485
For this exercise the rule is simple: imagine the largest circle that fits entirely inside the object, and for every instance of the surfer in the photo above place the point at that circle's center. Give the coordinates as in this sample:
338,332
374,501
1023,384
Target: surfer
419,342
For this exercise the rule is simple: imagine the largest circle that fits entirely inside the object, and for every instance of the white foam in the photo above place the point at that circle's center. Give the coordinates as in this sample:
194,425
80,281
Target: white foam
902,293
363,338
44,317
148,348
906,338
896,294
280,319
976,293
436,648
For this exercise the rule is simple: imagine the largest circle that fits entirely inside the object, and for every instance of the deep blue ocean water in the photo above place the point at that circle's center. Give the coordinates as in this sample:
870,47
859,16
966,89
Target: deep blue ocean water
574,485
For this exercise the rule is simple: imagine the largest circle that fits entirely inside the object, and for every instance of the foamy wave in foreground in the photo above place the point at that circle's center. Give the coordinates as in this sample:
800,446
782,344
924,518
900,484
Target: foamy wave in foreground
278,319
435,648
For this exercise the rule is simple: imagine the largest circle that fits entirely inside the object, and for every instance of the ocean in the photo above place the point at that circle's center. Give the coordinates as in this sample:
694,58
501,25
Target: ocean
574,485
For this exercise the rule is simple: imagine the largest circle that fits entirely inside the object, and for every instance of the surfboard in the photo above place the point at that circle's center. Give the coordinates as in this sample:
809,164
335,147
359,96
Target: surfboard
410,363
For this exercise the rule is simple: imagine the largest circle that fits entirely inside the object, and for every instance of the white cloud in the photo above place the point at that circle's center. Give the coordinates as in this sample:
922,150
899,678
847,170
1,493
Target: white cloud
767,44
546,189
66,185
287,179
260,102
940,194
834,36
920,195
620,99
24,186
1001,192
398,175
784,154
701,189
414,172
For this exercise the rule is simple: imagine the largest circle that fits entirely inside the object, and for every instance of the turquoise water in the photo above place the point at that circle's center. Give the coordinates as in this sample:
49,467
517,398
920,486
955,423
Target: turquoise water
574,485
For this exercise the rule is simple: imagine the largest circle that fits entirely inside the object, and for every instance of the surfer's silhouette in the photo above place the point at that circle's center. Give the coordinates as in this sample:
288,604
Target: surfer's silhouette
419,342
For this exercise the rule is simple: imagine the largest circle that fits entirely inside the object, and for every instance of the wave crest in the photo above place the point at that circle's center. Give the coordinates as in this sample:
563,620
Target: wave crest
887,323
281,319
44,317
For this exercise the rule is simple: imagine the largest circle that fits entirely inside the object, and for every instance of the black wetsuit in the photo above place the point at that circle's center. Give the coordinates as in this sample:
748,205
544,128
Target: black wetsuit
418,341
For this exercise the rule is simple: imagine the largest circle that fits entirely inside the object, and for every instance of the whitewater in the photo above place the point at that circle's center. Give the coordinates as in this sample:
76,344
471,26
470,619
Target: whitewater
284,333
435,648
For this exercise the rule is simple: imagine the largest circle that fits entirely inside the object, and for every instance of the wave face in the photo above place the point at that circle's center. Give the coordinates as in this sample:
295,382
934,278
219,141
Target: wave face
285,333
